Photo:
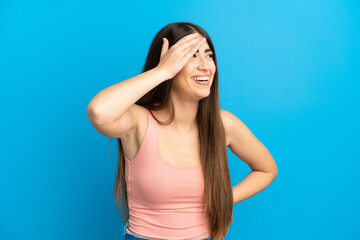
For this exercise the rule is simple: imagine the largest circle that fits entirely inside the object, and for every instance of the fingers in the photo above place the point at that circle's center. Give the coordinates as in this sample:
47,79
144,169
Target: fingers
191,43
165,46
192,49
184,39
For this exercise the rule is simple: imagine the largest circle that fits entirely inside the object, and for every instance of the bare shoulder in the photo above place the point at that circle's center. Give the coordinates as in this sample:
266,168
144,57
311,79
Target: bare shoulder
233,125
245,145
227,119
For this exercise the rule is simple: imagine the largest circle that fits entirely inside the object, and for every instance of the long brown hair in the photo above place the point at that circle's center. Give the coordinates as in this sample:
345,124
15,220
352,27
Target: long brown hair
218,195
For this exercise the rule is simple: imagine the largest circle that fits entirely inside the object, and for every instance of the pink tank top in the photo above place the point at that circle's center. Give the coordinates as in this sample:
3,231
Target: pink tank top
165,201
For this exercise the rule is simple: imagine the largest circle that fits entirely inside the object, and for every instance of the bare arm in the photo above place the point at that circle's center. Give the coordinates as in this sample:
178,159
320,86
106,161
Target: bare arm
248,148
112,111
110,103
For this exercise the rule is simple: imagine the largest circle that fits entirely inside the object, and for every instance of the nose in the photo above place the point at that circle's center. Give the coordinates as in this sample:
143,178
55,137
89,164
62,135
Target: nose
203,64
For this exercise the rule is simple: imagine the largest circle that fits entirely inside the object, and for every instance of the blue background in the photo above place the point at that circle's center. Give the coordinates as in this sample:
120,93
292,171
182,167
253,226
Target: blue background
288,69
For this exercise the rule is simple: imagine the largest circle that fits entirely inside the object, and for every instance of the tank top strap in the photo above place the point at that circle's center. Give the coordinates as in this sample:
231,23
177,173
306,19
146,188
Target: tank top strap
151,123
153,127
147,141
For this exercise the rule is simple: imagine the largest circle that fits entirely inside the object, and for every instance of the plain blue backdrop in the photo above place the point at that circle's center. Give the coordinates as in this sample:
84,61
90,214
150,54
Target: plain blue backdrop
288,69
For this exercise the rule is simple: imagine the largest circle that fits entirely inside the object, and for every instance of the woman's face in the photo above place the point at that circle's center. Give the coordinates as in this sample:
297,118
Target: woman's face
200,64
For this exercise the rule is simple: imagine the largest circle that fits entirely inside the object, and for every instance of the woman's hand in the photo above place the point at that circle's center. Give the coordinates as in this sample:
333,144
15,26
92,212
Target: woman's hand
173,60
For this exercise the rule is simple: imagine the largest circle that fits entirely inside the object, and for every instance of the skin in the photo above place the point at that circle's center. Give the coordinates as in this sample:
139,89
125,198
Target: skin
249,149
186,93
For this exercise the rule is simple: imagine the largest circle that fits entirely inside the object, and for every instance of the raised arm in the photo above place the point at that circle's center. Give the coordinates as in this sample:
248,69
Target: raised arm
112,110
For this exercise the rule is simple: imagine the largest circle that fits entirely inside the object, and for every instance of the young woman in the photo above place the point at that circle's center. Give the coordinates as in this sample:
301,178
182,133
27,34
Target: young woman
173,176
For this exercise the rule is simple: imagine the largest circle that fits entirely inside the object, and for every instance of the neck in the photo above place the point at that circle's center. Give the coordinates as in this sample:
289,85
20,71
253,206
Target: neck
185,115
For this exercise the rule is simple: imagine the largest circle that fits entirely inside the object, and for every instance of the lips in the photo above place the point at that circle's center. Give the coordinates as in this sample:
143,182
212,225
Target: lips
201,76
201,82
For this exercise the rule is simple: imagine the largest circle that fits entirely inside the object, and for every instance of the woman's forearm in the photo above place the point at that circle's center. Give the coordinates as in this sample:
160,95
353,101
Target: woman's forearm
111,102
253,183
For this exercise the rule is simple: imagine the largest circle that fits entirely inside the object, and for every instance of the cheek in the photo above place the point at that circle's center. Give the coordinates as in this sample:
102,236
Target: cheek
213,68
180,81
183,73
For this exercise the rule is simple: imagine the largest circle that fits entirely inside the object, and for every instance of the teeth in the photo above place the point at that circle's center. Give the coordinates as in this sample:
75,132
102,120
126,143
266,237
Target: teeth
200,78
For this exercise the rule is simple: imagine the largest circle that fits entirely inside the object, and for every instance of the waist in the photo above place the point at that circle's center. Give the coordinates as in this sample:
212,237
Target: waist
179,224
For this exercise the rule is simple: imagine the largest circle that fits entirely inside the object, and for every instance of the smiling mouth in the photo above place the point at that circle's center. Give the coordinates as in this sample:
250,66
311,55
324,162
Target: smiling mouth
201,81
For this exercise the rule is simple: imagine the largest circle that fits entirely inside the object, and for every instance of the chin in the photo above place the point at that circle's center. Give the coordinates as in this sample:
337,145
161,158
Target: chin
203,96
